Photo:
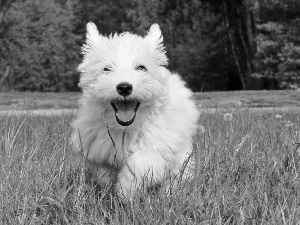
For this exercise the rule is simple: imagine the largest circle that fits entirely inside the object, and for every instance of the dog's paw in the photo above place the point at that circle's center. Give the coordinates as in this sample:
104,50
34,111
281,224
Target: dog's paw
106,179
103,174
126,185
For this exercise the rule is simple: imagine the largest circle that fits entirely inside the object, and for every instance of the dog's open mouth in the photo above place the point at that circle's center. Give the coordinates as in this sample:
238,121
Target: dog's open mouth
125,111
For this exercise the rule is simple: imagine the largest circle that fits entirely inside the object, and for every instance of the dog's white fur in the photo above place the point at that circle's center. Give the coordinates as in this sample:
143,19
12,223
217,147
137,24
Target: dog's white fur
155,147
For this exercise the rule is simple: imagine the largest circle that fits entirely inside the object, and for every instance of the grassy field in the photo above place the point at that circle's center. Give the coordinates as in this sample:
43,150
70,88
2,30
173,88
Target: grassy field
247,172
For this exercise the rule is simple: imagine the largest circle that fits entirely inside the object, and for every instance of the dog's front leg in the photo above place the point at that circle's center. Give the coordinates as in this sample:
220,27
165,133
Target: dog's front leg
142,169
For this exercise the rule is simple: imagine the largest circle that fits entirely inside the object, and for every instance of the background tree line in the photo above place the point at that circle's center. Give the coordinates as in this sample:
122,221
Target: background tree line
213,44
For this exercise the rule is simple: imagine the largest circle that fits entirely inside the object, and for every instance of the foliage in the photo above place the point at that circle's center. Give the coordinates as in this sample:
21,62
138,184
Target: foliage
109,16
194,39
246,173
39,45
209,43
278,57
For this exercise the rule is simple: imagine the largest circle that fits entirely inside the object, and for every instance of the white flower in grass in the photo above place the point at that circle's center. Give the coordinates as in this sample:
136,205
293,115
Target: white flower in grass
278,116
238,104
245,138
288,124
201,129
227,116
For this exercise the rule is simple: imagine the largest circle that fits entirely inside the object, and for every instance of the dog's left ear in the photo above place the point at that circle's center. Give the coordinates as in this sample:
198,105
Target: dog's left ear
155,38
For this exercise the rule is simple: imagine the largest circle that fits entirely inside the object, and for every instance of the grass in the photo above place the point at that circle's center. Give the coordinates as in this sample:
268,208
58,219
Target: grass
246,173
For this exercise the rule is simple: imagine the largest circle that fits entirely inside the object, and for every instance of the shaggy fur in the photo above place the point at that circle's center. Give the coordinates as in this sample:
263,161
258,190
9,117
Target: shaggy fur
158,142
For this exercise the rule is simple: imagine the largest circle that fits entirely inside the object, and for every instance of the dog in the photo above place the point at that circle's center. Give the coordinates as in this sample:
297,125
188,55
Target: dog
136,119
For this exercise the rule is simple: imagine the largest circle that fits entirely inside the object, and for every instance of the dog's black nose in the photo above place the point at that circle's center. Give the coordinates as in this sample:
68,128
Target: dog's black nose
124,89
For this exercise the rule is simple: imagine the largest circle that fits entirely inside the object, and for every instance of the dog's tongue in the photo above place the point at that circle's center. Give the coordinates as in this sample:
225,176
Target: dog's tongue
125,110
125,115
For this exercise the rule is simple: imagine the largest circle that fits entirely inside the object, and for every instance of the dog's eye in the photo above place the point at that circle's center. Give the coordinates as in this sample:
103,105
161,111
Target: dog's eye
142,68
107,69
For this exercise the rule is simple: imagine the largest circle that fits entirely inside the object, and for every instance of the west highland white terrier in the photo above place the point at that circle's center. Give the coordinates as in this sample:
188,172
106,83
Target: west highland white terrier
136,120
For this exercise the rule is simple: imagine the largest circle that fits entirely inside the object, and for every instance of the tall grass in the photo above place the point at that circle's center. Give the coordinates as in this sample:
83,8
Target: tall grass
247,168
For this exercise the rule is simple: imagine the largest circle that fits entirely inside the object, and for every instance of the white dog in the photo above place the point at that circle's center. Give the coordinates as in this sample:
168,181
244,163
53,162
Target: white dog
136,119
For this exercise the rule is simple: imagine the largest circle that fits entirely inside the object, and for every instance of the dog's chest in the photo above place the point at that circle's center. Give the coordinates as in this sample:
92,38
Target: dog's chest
121,146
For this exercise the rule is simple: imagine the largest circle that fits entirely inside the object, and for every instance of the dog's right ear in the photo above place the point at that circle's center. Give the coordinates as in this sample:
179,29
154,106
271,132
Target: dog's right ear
93,38
92,33
89,50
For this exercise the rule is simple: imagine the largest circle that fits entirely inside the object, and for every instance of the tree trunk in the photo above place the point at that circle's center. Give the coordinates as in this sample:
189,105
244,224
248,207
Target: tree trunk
4,6
238,22
232,44
5,75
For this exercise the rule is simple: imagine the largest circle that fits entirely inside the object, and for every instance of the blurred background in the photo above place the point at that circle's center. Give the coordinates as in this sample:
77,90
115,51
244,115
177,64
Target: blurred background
215,45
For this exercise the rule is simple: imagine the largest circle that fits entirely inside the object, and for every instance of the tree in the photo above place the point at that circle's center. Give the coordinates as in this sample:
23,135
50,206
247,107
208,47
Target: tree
39,45
212,44
239,24
4,6
194,39
109,16
277,60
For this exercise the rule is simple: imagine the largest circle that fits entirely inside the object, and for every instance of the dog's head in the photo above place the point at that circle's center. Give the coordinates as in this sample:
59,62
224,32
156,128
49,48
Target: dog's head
125,74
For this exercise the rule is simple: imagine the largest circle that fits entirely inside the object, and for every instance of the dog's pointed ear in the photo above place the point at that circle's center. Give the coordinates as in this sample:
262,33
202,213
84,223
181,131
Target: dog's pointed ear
93,38
154,34
155,38
92,33
89,51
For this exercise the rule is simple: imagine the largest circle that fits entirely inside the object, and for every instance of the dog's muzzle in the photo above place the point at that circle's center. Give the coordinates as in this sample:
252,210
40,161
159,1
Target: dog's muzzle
125,111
